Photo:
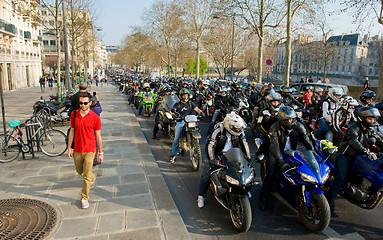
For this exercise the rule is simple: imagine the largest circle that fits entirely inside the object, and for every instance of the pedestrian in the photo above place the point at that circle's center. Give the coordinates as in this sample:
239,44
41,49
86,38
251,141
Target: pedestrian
85,130
42,83
50,82
83,86
366,84
310,80
326,80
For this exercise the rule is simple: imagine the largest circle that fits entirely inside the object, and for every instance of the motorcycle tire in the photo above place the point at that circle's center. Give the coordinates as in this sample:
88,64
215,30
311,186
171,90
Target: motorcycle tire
315,217
240,213
195,155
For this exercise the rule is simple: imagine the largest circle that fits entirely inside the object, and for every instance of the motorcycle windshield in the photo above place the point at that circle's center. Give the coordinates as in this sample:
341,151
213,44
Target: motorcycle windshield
235,157
311,160
168,101
148,95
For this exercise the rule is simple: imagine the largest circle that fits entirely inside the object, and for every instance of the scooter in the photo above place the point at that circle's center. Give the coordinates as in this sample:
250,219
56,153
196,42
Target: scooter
302,186
230,183
364,185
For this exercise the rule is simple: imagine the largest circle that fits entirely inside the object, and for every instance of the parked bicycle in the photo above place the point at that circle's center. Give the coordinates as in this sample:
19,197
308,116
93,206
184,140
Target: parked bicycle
51,142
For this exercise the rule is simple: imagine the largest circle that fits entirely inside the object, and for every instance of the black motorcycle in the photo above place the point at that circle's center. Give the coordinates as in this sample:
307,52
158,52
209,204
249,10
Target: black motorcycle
231,182
56,111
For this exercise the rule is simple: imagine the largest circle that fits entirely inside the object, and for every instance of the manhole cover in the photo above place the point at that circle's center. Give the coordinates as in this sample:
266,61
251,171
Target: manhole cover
26,219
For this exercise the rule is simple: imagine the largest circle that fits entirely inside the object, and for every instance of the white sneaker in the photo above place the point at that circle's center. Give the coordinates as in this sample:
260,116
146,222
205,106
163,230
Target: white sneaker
84,203
201,201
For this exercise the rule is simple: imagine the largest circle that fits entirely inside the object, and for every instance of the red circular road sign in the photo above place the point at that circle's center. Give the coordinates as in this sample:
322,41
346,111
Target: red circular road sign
269,62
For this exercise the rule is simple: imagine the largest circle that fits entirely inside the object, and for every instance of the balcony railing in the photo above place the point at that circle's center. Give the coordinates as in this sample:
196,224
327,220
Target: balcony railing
8,27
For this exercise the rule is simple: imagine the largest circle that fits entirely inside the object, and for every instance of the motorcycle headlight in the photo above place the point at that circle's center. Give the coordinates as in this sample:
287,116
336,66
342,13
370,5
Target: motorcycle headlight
191,124
249,178
232,180
307,178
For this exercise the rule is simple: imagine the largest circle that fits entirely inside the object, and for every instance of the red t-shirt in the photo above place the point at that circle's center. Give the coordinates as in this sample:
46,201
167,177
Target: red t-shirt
85,127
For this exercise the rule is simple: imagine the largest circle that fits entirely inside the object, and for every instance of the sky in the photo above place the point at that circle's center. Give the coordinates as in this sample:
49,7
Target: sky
118,16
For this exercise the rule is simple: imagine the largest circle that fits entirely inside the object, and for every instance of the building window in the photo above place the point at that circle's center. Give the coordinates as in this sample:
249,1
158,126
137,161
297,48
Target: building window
53,43
45,42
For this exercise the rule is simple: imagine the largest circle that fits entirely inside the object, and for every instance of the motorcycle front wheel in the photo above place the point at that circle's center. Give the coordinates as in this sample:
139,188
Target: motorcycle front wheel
316,216
195,154
240,213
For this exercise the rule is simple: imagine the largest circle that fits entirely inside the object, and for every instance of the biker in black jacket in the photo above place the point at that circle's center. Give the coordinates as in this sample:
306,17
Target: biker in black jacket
358,136
228,134
284,135
222,100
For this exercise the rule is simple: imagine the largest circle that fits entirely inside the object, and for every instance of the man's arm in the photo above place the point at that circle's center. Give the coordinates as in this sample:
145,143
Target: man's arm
70,141
99,144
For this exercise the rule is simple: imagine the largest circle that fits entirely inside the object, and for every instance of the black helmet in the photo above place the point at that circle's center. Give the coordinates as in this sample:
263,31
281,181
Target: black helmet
167,88
365,112
184,91
366,95
315,99
286,113
273,96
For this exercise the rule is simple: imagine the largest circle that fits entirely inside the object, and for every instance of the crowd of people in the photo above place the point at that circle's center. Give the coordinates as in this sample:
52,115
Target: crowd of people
280,119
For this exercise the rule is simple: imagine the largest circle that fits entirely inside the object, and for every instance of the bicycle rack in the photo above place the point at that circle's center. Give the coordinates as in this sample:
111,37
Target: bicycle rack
32,127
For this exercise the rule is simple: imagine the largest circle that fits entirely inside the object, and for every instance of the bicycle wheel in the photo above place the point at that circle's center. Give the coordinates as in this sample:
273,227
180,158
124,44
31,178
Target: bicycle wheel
8,152
53,143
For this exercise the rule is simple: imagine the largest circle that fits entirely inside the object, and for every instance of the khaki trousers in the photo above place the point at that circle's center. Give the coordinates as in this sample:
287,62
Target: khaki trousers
84,164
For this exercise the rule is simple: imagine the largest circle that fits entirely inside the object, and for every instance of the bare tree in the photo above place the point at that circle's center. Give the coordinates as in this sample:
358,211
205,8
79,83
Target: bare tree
292,8
54,8
166,30
198,16
259,15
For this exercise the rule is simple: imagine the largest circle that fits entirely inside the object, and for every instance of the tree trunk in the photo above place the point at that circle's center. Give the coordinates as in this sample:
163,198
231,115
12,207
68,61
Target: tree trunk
197,58
288,44
380,84
58,52
260,44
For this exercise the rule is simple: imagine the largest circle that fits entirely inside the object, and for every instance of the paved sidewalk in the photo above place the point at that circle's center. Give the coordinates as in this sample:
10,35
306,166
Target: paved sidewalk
130,199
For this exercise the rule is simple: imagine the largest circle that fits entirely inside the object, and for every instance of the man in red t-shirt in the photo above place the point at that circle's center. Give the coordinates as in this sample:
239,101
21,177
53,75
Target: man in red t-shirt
86,128
307,95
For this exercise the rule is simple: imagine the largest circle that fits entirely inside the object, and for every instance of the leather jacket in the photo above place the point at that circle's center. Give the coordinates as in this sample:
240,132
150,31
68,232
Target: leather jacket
221,102
265,121
217,140
278,139
356,139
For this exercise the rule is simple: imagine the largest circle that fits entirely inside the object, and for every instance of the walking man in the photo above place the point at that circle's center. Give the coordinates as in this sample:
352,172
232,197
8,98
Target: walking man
85,129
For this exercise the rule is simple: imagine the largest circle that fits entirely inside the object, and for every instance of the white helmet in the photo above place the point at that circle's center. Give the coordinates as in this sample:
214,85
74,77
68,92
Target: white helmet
146,85
234,124
335,94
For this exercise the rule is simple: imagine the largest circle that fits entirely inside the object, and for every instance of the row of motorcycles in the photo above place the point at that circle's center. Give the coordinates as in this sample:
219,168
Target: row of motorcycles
55,111
303,186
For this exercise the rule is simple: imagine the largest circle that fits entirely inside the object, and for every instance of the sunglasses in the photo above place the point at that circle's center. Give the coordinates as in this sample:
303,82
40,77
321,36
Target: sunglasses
83,103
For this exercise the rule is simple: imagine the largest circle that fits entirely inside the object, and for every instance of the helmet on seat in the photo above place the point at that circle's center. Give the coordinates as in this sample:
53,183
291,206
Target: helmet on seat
367,112
284,115
234,124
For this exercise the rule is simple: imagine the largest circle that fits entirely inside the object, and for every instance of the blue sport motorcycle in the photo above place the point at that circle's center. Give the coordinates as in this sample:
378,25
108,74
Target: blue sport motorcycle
301,187
363,187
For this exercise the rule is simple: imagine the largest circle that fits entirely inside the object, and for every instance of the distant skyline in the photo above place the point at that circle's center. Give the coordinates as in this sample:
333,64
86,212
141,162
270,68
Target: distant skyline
118,16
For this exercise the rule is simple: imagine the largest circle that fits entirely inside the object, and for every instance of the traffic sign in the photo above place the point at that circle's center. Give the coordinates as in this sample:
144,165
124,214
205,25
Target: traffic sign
269,62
